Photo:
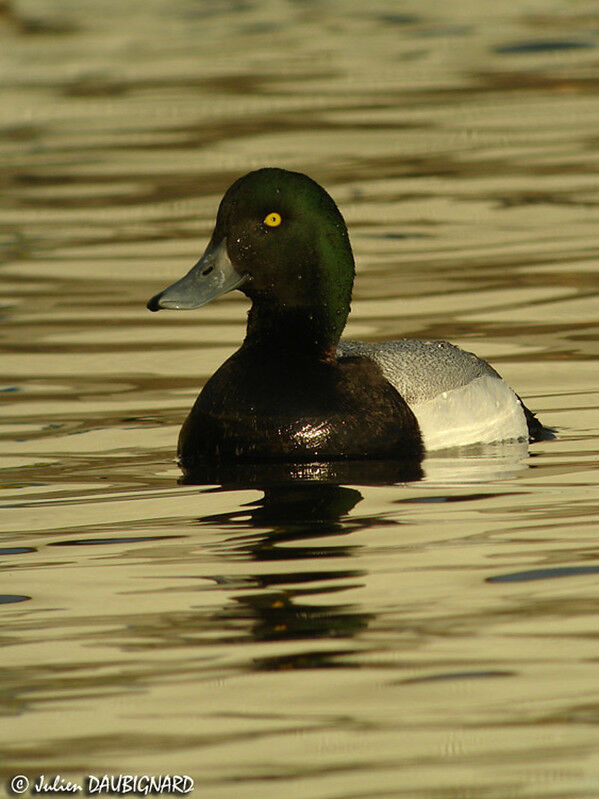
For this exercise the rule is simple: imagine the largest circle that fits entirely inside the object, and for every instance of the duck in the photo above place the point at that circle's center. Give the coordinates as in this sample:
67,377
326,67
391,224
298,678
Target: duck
294,391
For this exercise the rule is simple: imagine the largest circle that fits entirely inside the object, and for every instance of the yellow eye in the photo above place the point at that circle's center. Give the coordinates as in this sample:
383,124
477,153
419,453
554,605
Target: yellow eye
273,219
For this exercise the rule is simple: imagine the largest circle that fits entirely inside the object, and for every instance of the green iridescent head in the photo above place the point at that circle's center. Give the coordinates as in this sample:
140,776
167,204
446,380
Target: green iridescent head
279,238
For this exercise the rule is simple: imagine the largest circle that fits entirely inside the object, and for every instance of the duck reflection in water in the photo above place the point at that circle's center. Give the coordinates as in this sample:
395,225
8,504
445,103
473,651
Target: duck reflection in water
300,506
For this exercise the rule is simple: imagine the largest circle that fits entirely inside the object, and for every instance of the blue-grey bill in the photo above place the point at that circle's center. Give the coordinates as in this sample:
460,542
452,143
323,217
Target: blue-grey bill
213,275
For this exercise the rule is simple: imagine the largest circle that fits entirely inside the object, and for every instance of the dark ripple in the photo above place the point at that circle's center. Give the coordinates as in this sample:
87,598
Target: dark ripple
543,574
86,542
546,46
457,675
6,599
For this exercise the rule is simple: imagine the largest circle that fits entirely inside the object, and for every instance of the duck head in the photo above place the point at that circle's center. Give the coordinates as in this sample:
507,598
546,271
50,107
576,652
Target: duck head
281,240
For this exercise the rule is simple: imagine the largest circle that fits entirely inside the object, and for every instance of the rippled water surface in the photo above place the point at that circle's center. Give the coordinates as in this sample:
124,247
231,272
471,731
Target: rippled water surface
321,638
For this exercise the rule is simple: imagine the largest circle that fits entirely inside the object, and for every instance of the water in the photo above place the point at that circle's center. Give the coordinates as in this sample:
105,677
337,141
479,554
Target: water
335,637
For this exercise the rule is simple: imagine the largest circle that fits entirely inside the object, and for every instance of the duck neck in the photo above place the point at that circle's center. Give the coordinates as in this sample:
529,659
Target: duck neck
296,331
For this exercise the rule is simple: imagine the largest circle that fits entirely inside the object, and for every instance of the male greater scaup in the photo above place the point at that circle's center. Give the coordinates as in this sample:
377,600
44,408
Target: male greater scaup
293,391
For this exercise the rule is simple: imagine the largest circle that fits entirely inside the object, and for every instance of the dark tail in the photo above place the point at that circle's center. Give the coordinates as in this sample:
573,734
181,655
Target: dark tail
536,430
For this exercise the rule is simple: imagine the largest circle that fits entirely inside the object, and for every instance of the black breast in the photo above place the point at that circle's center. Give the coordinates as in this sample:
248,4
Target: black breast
261,407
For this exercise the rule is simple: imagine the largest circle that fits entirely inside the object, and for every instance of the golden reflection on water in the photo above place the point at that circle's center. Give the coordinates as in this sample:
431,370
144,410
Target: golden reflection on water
345,635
